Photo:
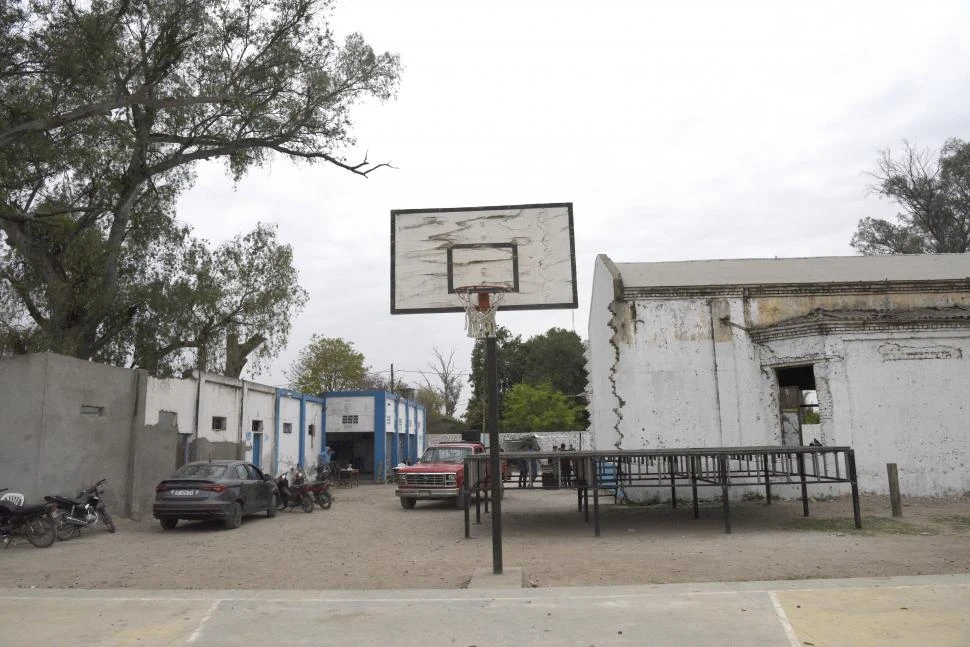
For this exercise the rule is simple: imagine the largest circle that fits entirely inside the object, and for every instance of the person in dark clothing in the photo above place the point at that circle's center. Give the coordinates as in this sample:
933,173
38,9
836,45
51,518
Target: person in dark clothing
523,472
566,468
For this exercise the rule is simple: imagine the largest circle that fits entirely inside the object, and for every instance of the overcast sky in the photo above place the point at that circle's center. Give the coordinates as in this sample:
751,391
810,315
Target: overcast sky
679,131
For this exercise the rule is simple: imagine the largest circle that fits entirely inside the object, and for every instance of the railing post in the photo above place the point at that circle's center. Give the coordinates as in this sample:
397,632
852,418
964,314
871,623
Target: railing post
894,498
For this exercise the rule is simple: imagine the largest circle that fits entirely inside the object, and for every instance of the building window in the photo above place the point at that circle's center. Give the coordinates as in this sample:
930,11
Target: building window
257,426
91,410
287,427
311,430
218,423
350,420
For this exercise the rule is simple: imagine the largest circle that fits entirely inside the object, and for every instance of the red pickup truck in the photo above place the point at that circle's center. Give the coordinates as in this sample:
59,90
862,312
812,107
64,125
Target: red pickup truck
439,474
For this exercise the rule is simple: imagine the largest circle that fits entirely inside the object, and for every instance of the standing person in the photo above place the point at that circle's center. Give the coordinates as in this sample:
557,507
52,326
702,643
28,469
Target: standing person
523,472
323,462
533,467
566,466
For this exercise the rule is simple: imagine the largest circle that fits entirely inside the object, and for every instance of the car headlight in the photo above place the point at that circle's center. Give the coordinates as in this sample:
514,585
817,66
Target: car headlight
450,478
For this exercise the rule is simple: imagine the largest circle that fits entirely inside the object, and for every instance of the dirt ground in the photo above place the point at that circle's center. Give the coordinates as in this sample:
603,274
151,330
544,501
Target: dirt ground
367,541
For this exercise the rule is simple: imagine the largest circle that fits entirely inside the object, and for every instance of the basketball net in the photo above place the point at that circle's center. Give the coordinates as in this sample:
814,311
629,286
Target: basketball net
480,303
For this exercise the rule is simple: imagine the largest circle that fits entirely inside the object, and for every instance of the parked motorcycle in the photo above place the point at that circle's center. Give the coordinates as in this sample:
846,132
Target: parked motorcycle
86,509
320,488
296,495
31,521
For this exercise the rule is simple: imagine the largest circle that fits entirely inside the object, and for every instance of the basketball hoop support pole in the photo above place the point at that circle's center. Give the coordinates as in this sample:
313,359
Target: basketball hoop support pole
495,479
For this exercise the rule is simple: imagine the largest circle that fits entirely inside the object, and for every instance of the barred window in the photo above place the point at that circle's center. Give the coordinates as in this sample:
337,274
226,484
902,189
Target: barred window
350,420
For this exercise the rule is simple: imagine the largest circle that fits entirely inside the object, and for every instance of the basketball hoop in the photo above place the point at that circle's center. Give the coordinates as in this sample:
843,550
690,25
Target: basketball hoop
480,303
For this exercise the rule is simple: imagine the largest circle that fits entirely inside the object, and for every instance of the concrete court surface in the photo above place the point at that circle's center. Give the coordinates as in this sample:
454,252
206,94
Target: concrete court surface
922,610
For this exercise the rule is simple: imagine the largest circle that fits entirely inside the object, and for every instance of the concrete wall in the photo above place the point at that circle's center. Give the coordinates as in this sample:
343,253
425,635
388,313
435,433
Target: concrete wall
604,336
895,398
361,406
49,445
289,443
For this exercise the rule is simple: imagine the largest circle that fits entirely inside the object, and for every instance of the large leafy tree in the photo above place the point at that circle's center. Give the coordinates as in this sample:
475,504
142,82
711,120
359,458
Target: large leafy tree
555,358
327,364
107,106
933,192
509,373
531,408
219,309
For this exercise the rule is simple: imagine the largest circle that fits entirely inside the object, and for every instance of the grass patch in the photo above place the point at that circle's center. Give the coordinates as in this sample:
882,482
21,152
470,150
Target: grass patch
955,521
870,526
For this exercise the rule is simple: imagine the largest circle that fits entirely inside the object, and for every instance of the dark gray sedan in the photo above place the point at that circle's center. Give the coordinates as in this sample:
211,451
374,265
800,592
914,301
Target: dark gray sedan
225,490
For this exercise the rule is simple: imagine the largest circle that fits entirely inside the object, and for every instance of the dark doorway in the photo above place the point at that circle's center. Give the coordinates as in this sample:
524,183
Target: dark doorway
796,387
354,449
801,376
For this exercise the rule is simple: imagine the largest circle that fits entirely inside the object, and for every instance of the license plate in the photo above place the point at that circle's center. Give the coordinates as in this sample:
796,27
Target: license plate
424,492
183,492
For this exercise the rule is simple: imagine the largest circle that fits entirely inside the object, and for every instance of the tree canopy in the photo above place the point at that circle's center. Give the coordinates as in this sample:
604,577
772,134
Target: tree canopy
327,364
226,306
105,109
933,191
538,408
554,360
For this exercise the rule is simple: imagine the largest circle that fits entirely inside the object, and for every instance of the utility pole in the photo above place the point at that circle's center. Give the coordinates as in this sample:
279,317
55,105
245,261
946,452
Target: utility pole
392,378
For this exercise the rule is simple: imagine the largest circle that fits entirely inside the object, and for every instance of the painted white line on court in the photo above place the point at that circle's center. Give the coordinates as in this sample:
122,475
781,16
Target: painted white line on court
198,630
484,595
783,619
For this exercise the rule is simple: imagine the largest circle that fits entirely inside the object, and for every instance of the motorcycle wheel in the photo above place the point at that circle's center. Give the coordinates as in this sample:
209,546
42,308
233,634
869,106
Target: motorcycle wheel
107,520
65,529
324,500
306,503
41,532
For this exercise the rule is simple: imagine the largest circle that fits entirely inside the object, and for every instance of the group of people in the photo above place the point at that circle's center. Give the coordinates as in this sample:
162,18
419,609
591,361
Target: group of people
529,468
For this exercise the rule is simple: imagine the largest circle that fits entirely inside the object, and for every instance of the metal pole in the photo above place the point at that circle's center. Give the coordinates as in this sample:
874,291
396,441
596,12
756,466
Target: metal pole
894,500
722,468
853,479
801,475
495,477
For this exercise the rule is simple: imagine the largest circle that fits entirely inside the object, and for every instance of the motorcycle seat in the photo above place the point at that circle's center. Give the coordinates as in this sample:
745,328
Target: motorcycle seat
27,510
56,498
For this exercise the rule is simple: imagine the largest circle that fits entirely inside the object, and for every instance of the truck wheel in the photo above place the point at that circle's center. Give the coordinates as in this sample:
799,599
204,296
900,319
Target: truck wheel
407,504
460,502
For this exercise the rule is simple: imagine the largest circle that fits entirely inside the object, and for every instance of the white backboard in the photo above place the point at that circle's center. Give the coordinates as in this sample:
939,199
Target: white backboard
526,249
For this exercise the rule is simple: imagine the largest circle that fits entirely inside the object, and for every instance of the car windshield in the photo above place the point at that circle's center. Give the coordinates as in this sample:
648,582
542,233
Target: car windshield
208,471
445,454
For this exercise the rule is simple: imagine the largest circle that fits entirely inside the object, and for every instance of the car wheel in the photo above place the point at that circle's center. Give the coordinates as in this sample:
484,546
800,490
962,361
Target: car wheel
234,520
408,504
271,510
167,523
306,503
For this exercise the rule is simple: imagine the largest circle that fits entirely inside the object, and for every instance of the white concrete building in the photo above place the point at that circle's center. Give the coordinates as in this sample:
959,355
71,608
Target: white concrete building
718,354
374,430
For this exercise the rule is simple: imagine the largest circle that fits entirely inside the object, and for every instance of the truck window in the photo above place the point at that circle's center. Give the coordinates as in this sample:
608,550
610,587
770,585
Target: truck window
445,454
